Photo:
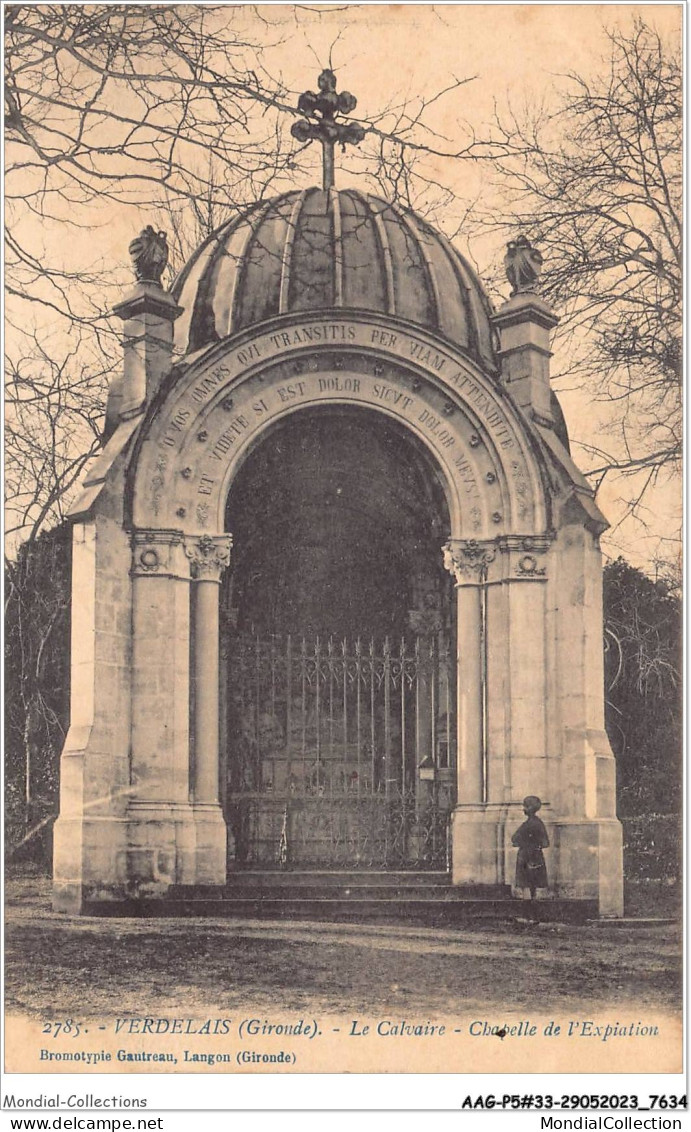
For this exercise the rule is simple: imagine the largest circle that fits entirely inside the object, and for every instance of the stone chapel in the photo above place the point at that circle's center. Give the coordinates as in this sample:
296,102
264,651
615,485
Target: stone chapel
336,578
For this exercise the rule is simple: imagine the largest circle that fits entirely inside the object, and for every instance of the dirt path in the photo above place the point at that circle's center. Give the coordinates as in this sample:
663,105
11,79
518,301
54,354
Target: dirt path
57,966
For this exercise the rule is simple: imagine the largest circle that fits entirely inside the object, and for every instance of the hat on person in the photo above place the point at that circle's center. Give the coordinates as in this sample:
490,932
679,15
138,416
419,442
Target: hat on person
532,802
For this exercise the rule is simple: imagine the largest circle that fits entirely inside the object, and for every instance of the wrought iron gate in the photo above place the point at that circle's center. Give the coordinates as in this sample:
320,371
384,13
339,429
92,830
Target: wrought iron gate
340,755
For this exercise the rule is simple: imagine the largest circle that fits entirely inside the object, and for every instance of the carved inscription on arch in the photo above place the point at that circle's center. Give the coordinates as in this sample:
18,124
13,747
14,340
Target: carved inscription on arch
487,409
212,417
250,414
405,346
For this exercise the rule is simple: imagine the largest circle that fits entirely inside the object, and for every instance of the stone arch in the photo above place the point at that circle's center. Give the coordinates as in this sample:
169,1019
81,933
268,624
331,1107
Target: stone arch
202,427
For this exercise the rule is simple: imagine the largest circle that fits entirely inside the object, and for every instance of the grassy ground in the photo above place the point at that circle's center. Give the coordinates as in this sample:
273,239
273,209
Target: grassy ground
57,966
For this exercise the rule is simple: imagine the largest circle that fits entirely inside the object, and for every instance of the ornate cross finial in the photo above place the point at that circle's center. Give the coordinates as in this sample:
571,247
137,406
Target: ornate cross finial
320,112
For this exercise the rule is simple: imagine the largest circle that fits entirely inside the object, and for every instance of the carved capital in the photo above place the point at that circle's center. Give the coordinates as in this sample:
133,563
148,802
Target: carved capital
468,560
208,556
157,554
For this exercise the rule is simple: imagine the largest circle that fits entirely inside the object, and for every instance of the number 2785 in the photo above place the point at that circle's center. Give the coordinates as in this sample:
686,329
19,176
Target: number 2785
68,1027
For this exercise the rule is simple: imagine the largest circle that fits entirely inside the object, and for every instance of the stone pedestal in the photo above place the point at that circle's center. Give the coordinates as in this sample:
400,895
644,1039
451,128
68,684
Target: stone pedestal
588,862
477,855
525,324
482,852
173,844
89,858
148,313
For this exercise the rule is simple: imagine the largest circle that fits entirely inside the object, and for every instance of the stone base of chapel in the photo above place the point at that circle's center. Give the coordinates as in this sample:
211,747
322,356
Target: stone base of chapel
588,862
142,855
88,861
584,861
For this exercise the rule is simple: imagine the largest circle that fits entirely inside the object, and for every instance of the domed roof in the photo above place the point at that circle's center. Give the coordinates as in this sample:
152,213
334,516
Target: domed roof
317,250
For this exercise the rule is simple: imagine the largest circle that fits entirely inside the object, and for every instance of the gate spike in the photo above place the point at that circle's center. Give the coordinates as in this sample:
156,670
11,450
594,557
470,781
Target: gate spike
358,646
387,646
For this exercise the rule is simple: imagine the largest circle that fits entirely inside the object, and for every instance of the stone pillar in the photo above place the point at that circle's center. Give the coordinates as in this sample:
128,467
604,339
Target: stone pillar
90,832
160,670
176,831
161,838
503,694
522,694
208,557
519,652
470,695
471,855
588,836
525,324
148,313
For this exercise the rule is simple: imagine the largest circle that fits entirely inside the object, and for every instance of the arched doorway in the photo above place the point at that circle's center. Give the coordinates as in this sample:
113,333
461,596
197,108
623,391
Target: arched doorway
337,637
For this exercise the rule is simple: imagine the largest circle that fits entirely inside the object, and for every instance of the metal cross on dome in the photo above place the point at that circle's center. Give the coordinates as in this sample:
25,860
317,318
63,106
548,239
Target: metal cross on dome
320,123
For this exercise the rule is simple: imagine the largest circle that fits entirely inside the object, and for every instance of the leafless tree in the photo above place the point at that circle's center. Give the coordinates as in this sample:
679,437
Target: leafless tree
597,185
115,108
37,630
108,107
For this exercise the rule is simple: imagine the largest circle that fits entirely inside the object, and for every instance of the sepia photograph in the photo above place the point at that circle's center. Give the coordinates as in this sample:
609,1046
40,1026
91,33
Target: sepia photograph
343,560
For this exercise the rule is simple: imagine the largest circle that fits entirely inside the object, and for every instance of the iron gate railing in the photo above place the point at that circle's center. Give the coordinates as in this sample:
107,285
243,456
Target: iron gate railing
340,755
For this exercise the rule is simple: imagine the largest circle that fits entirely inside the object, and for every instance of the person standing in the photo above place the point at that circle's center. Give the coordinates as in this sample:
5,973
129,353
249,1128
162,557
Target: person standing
531,838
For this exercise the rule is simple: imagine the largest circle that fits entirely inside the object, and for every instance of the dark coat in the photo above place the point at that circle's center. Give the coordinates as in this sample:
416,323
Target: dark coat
531,838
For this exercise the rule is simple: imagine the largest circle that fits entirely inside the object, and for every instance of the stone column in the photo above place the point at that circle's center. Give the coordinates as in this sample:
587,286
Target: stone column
148,313
522,694
470,694
525,324
176,832
520,654
588,835
208,557
468,561
161,835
